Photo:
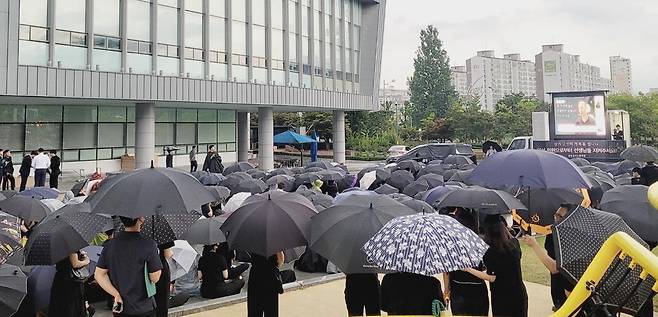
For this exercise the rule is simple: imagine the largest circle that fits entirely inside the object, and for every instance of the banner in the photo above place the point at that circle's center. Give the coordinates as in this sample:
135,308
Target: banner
593,150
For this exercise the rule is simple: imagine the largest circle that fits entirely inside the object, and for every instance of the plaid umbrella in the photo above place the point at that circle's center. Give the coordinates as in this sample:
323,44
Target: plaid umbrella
640,153
10,236
26,208
579,236
54,239
425,244
13,287
168,227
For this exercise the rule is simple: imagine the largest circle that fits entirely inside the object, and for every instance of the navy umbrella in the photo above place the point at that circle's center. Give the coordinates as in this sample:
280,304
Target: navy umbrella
13,287
528,168
238,167
426,244
631,203
40,193
339,232
39,284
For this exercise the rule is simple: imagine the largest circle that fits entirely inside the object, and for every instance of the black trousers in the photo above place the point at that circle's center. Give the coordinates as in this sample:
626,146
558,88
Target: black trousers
23,181
262,300
150,314
54,179
193,166
40,177
8,182
222,289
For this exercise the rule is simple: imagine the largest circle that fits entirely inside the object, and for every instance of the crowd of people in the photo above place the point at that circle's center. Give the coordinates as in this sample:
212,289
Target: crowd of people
43,164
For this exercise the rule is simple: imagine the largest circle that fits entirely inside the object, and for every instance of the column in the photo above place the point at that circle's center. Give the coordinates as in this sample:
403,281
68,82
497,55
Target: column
265,139
243,136
339,136
144,134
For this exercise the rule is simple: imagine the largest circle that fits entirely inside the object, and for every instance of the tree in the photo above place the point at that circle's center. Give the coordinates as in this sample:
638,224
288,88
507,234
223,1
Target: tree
370,123
643,114
430,87
469,123
513,115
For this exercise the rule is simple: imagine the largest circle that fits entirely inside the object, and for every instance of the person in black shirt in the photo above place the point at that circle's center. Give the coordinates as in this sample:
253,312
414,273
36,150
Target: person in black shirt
649,173
214,267
636,178
122,267
25,169
264,285
8,181
362,291
410,294
503,263
54,170
67,293
163,285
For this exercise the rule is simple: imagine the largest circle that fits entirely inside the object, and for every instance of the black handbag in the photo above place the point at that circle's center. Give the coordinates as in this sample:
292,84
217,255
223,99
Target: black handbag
278,281
79,275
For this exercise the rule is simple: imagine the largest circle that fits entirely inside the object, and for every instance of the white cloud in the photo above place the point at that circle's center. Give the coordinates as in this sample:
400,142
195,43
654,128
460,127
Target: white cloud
593,29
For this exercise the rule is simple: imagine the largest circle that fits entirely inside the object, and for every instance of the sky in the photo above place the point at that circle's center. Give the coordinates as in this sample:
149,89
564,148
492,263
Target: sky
593,29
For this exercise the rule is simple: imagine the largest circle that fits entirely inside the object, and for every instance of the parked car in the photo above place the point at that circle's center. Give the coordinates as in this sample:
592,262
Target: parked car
435,151
520,143
397,150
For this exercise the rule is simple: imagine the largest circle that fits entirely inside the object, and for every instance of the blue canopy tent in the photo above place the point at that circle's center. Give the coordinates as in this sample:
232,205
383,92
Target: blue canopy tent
291,137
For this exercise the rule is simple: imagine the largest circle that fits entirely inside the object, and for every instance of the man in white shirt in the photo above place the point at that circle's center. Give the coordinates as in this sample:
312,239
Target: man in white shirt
40,163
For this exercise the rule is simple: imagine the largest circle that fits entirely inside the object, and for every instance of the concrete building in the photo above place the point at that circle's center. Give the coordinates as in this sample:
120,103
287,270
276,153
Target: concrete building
491,78
397,99
653,90
95,79
560,71
621,75
459,79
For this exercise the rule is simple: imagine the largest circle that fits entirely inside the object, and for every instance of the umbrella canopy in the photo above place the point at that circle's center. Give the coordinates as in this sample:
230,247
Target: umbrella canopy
625,166
601,180
233,180
376,176
39,285
10,236
281,180
481,198
433,180
386,189
238,167
416,187
53,204
26,208
491,144
461,176
205,231
330,175
542,204
339,232
291,255
182,259
291,137
235,202
168,227
418,205
342,196
631,203
457,160
211,179
7,194
40,193
437,193
640,153
528,168
431,169
54,239
590,168
257,174
321,201
623,179
13,287
425,244
150,191
411,166
78,186
305,178
220,193
400,179
320,164
270,222
579,236
254,186
579,161
280,171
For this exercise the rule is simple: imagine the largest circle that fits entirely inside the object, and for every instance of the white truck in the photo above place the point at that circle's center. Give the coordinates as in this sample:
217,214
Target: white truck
520,143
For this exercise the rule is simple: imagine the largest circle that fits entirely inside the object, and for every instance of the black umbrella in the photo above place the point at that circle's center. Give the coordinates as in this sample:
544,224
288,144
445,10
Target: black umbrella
418,205
8,193
254,186
205,231
579,236
78,186
54,239
457,160
386,189
255,173
433,180
233,180
543,203
10,236
314,169
623,179
400,179
416,187
579,161
606,167
150,191
13,287
238,167
374,178
321,201
410,165
601,180
625,166
590,168
220,193
631,203
447,174
339,232
280,179
280,171
291,255
26,208
168,227
320,164
640,153
211,179
270,222
461,176
431,169
305,178
481,198
330,175
491,144
297,170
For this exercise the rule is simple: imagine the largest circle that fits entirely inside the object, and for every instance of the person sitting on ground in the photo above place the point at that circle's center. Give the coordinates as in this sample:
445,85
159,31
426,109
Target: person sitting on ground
410,294
317,185
216,280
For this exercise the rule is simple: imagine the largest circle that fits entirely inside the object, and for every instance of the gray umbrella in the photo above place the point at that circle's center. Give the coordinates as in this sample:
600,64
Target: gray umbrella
26,208
590,168
205,231
457,160
280,179
481,198
416,187
321,201
220,193
254,186
150,191
256,173
320,164
386,189
339,232
270,222
431,169
640,153
210,179
433,180
13,287
623,179
314,169
238,167
418,205
233,180
579,161
625,166
280,171
632,204
461,176
411,166
330,175
305,178
400,179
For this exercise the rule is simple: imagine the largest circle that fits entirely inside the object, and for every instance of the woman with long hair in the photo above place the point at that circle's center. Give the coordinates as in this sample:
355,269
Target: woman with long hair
503,263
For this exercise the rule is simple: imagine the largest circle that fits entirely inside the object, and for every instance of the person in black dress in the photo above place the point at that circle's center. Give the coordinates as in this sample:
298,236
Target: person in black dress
503,263
264,287
216,273
66,294
362,291
54,169
466,294
410,294
162,287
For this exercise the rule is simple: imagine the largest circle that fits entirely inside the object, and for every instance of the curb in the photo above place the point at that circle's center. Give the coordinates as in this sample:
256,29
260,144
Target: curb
212,304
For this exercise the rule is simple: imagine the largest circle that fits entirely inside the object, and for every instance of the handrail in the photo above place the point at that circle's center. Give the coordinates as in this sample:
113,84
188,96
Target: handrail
619,245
